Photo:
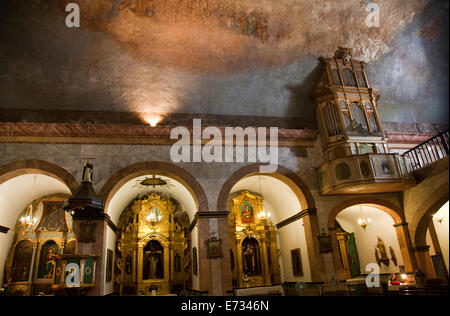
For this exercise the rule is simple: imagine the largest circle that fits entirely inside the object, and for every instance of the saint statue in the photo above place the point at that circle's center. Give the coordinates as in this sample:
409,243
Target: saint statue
382,252
152,265
249,260
87,172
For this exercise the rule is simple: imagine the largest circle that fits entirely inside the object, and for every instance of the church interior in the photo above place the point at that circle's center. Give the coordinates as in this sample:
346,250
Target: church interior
100,197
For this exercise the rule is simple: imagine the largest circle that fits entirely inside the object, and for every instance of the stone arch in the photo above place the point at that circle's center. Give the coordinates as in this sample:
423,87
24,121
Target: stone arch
122,176
393,210
305,197
397,214
30,166
295,183
430,206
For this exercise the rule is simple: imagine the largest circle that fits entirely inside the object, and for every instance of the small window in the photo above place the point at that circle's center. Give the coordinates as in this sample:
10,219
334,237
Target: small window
343,105
368,106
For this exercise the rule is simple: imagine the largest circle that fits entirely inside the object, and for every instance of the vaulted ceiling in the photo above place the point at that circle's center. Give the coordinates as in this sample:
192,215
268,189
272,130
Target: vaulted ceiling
227,57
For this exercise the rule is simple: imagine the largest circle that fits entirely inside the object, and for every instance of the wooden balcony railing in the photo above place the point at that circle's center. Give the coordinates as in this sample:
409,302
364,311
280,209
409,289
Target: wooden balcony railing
429,151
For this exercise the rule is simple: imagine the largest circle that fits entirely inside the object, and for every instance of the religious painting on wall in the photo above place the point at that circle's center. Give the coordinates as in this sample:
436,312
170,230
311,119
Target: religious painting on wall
194,261
325,243
109,264
23,253
214,248
247,213
53,217
297,267
46,263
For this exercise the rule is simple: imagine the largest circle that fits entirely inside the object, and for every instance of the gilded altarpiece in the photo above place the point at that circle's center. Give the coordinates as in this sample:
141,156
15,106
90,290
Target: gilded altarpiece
253,243
152,249
30,264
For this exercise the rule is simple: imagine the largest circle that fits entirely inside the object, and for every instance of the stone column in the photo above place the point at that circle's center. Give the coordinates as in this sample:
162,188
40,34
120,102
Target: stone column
214,273
312,232
404,242
424,263
265,264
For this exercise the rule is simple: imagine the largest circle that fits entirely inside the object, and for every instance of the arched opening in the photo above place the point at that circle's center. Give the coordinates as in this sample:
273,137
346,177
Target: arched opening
360,245
369,231
30,208
267,210
153,260
150,206
251,256
438,237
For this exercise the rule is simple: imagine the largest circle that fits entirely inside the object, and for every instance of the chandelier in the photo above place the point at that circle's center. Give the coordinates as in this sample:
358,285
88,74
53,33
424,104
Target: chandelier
363,221
28,220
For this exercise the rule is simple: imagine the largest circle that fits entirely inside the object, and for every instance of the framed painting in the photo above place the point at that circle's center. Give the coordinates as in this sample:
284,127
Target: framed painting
214,248
297,268
109,265
194,261
247,214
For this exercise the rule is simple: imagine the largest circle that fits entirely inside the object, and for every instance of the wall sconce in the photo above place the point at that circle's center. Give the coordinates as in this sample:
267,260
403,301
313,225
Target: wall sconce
439,217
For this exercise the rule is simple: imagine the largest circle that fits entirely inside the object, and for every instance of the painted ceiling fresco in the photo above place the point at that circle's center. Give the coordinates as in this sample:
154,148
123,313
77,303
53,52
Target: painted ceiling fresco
217,36
225,57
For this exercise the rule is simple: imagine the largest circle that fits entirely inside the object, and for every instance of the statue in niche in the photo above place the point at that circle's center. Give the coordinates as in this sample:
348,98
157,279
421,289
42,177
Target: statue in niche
154,262
249,263
250,256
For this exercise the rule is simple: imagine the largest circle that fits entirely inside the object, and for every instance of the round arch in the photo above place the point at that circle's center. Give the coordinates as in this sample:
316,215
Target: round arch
439,198
122,176
31,166
283,174
393,210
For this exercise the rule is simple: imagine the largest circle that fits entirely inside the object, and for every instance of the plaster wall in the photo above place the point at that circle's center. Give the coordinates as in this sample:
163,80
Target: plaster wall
291,237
